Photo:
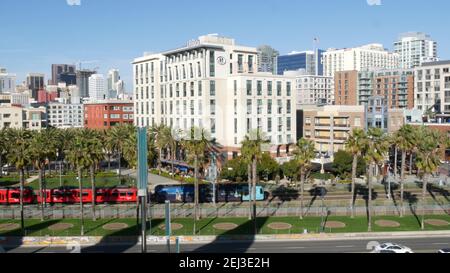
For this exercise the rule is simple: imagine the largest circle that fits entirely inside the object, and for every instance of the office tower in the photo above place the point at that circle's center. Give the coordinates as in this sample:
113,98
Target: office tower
35,82
63,73
308,61
83,82
97,88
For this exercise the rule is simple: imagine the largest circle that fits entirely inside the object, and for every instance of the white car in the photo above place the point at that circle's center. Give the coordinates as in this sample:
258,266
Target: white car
444,250
392,248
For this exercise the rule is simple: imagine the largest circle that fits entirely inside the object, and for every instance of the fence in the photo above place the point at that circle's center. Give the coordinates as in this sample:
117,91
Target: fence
209,211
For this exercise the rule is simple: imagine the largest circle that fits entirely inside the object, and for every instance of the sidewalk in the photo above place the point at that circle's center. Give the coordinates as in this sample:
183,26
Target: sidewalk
114,241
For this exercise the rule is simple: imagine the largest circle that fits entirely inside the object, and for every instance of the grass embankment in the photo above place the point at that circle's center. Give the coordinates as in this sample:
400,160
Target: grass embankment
206,226
70,180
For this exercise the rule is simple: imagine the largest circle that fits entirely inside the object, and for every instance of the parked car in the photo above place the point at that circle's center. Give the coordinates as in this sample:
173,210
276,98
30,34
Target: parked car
392,248
444,250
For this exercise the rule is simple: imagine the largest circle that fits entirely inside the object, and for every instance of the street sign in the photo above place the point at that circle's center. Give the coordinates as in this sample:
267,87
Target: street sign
142,161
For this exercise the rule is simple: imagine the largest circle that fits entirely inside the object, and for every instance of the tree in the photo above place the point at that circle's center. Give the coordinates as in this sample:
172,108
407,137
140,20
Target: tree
427,159
234,169
405,138
95,155
19,141
198,143
78,156
253,147
162,135
304,153
42,148
374,155
290,170
355,145
3,148
343,164
117,139
268,168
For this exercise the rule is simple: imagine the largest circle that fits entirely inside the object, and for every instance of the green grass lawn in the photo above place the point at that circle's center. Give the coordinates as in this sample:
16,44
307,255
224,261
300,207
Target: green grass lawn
206,226
8,181
101,180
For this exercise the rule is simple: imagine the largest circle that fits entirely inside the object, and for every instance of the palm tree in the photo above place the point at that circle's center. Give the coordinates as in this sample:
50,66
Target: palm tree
95,155
304,153
78,156
427,160
42,148
253,148
19,141
172,143
108,147
117,137
405,138
356,145
162,135
3,148
198,143
375,154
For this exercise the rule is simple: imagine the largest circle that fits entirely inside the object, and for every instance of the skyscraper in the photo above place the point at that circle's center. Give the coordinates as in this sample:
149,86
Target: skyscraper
97,88
415,48
309,61
267,59
83,82
66,69
113,79
35,82
7,82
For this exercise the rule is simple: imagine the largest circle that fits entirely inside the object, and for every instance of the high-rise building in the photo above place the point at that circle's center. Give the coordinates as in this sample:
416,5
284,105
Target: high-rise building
267,59
308,61
414,48
35,82
312,89
213,83
97,88
357,87
83,82
7,82
63,73
432,87
372,56
113,78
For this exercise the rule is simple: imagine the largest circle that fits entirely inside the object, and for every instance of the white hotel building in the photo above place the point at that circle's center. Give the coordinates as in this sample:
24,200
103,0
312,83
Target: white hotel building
359,58
213,83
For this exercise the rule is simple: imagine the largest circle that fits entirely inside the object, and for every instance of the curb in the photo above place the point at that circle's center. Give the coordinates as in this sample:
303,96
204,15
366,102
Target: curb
159,240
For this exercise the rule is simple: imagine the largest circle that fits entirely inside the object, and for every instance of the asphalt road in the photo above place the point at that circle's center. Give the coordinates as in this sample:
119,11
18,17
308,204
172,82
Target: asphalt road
418,245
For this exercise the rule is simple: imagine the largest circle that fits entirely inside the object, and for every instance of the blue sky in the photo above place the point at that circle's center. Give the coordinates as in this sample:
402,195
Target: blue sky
37,33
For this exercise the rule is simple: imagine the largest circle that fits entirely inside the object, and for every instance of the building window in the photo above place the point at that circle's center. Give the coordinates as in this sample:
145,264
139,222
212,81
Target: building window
269,88
213,126
278,88
269,125
288,107
199,89
288,89
213,107
269,107
249,87
259,88
212,64
259,104
249,107
288,123
212,88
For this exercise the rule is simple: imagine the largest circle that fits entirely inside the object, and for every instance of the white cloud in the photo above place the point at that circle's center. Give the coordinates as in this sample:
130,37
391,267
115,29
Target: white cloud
73,2
374,2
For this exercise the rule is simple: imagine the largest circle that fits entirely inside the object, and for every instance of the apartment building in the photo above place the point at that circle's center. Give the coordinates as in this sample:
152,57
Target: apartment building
107,114
432,87
312,89
65,115
214,83
372,56
18,117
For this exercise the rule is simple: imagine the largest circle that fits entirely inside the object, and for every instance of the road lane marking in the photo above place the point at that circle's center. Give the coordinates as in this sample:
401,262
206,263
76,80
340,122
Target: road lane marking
344,246
440,244
296,247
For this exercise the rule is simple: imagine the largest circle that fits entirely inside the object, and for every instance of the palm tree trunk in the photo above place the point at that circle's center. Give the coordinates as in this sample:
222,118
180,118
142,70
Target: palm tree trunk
41,194
120,164
22,182
160,161
395,162
410,163
302,189
424,191
254,193
81,201
402,182
352,200
249,174
196,216
1,165
109,162
173,165
94,218
369,198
